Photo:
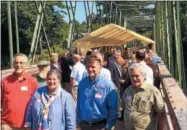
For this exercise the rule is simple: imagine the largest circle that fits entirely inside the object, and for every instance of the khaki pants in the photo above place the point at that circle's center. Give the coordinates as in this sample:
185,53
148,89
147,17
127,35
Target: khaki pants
74,93
7,127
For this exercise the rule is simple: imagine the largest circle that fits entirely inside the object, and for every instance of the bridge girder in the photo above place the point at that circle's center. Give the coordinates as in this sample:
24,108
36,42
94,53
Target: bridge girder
133,11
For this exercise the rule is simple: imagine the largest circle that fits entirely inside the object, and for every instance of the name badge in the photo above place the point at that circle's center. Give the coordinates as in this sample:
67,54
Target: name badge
24,88
98,95
39,100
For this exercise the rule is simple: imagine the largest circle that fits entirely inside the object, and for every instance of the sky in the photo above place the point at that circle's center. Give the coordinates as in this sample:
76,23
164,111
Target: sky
80,11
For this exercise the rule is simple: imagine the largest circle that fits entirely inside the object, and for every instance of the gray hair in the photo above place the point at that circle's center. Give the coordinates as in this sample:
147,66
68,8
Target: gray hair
98,55
55,72
138,66
21,55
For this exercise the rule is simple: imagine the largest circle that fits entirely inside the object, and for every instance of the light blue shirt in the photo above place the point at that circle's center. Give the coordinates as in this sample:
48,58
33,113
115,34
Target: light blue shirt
77,72
97,100
156,59
62,114
104,72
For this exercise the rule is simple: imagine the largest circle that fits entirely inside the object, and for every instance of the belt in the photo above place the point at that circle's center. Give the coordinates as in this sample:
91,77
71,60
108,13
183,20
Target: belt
94,123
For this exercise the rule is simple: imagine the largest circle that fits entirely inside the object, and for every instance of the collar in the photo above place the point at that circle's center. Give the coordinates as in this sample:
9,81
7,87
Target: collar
95,80
55,63
143,87
56,92
143,63
114,59
24,75
77,63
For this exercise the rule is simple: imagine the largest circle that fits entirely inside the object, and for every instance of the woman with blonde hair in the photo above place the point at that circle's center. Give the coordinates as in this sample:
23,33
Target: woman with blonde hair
51,107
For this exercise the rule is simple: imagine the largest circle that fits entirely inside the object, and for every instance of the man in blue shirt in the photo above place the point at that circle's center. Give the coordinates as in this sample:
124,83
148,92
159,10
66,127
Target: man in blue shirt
97,103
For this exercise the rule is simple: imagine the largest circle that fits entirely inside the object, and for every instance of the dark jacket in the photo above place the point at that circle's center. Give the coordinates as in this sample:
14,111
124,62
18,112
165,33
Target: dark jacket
65,64
116,72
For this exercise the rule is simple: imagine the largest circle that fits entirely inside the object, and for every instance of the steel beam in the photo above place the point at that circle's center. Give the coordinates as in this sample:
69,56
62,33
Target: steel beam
111,11
72,22
10,33
16,27
35,34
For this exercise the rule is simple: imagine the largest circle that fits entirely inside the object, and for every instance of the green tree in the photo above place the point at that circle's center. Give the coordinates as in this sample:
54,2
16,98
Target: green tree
55,25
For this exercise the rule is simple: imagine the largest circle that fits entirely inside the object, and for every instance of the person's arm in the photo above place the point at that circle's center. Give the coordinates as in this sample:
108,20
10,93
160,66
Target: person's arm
28,116
108,74
158,101
73,76
78,119
112,101
70,114
123,100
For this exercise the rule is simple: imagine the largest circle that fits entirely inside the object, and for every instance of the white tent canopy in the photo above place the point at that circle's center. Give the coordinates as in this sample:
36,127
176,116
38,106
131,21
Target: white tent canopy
109,35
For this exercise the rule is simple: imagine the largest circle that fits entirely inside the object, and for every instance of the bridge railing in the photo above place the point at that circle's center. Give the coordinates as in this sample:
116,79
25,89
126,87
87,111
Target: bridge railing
175,112
32,69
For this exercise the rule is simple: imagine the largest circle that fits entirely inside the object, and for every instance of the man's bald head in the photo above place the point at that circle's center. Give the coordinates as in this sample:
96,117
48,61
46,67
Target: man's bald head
140,55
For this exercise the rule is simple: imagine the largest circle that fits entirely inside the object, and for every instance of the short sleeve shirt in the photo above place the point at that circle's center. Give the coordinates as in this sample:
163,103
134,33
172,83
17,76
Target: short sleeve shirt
77,72
15,98
149,73
140,106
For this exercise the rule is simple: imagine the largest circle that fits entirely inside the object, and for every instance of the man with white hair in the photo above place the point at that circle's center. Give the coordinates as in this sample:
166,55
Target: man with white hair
141,101
76,75
17,89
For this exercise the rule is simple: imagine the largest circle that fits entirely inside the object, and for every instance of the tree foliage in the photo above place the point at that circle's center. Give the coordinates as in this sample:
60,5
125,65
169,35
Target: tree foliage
55,25
184,21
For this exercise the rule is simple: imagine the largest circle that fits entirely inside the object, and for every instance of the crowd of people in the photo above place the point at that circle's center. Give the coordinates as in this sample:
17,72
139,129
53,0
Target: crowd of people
88,92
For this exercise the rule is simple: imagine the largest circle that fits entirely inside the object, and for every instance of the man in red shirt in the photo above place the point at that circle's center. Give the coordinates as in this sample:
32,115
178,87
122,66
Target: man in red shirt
17,89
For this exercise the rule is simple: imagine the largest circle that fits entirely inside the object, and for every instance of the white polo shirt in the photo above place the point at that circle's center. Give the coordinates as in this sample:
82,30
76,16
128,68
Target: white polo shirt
77,72
149,73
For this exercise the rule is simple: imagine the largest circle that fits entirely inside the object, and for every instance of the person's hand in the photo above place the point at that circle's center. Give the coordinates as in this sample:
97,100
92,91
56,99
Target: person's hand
70,67
122,81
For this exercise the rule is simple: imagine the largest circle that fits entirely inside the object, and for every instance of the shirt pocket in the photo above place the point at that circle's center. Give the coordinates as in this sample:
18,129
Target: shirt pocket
144,106
99,98
128,103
